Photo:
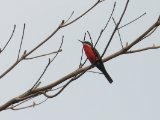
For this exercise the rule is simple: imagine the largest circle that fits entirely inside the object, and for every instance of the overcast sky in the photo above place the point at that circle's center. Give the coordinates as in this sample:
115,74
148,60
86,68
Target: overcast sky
134,94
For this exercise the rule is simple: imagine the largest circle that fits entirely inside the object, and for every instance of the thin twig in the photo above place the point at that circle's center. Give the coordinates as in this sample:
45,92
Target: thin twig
84,62
114,6
21,41
33,105
64,86
143,49
58,49
105,25
80,63
90,37
12,106
133,20
98,1
9,39
150,33
33,87
43,55
57,88
118,32
94,72
115,29
49,62
141,37
44,41
69,17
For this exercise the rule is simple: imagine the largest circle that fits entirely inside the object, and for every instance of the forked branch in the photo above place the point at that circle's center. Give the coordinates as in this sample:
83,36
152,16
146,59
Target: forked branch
61,25
37,91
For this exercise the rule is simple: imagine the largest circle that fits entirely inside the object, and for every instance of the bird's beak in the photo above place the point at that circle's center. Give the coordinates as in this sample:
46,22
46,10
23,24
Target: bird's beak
80,41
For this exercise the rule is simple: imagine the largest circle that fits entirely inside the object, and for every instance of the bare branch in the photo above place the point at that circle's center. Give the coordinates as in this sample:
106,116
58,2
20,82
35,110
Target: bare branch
132,21
64,86
8,40
105,25
118,32
49,62
44,41
61,25
94,72
136,41
33,105
78,72
150,33
58,49
51,96
90,37
141,37
84,62
12,106
115,29
43,55
80,63
143,49
21,41
98,1
69,17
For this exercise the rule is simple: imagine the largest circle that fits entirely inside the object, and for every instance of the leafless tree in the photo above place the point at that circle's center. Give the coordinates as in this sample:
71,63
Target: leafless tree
60,84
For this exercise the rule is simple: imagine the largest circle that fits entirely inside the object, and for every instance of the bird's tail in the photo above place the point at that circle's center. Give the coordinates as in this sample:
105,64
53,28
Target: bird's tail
101,67
108,76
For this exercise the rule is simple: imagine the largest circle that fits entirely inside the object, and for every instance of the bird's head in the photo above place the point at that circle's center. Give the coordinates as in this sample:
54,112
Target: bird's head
86,43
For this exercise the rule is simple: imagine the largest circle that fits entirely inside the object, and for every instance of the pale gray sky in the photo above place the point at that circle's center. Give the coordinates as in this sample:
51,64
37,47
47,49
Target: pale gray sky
134,94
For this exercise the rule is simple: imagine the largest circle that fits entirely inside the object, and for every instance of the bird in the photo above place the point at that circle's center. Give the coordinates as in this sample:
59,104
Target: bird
94,57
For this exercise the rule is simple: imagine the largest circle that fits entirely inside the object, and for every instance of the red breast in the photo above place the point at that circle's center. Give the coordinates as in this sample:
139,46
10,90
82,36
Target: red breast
89,53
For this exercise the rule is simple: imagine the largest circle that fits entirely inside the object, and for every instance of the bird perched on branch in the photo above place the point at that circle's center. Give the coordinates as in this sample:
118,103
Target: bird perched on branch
95,58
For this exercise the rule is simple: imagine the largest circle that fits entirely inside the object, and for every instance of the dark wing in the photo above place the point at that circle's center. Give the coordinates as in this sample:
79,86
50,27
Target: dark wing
96,52
99,64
